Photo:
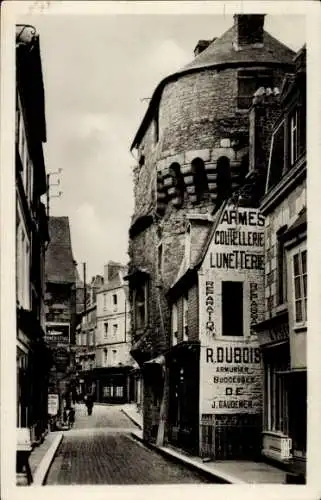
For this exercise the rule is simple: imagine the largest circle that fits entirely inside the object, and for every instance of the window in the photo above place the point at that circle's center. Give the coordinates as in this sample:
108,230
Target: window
140,306
224,182
105,330
300,286
119,391
105,301
277,156
200,178
276,404
281,268
294,142
248,83
160,259
105,357
232,308
114,355
115,301
174,324
115,329
185,317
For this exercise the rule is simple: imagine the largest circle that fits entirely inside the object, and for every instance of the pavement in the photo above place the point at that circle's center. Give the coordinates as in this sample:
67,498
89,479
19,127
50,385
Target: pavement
227,471
63,456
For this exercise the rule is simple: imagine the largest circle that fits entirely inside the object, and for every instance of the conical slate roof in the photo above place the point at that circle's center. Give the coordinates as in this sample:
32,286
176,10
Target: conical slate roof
221,51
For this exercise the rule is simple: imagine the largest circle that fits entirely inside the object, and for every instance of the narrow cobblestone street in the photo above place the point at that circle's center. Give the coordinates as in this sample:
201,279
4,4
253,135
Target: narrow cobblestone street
100,450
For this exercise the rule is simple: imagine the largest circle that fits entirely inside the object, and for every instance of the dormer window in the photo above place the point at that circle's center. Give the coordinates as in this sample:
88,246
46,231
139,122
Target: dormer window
248,82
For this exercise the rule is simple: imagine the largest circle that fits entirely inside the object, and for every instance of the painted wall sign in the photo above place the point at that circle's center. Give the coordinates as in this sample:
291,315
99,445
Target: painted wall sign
231,377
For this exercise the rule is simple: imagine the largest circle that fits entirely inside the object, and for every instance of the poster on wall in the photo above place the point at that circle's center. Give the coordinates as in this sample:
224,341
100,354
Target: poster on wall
230,362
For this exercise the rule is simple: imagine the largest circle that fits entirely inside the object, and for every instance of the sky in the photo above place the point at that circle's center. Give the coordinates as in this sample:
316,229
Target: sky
98,72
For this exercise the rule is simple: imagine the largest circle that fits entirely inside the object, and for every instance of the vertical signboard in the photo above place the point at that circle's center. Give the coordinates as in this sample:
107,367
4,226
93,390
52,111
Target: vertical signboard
230,362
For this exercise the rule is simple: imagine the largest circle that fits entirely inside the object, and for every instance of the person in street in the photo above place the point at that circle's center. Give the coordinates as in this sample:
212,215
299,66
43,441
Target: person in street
89,403
71,416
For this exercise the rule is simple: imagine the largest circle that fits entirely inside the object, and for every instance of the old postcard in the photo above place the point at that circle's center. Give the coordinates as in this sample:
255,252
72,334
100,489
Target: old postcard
154,249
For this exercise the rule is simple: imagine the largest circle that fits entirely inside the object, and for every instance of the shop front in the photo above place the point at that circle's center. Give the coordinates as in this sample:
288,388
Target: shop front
110,385
183,417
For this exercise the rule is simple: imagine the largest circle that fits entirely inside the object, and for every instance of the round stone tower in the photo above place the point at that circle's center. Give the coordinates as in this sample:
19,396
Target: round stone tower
192,152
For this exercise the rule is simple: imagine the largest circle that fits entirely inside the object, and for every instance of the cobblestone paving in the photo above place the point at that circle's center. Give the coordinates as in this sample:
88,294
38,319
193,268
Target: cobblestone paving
90,454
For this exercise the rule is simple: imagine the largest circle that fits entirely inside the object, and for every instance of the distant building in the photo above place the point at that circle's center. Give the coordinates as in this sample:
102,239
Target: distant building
60,299
33,359
113,341
283,331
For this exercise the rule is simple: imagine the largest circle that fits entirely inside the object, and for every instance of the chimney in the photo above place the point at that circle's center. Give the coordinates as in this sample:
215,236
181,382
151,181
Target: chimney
110,270
248,30
202,45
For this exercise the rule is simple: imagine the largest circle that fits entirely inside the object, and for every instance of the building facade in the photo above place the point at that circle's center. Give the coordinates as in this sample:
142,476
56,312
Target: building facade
113,341
33,359
193,152
283,331
215,368
60,300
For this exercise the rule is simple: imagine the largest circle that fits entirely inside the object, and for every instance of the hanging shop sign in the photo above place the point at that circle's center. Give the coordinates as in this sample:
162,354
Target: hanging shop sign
57,333
53,404
61,358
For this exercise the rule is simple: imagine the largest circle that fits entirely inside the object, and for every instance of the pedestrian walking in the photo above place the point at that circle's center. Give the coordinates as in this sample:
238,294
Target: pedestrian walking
89,403
71,416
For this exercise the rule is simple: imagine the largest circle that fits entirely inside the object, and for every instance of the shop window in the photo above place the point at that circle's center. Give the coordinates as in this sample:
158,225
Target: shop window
248,83
300,286
140,305
200,178
281,267
185,317
224,181
232,308
174,324
119,391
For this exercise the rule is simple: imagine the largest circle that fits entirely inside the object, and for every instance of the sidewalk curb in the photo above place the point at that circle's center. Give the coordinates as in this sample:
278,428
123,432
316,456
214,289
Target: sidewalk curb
43,468
219,476
132,419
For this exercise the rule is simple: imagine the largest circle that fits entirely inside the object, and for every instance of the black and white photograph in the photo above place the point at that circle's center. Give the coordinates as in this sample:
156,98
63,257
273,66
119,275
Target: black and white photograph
154,245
